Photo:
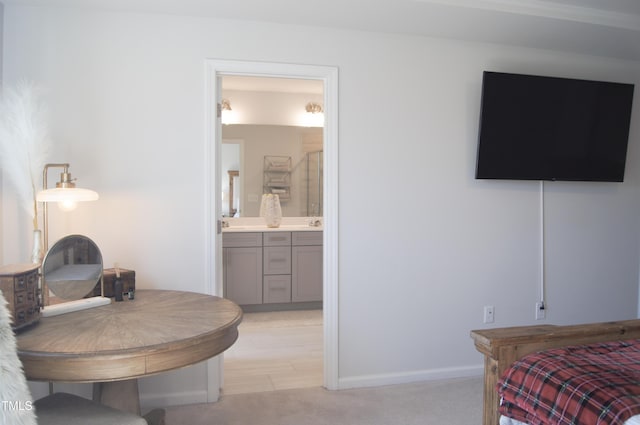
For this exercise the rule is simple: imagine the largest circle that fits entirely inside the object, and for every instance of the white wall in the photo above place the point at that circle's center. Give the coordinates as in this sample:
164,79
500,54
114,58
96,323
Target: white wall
423,246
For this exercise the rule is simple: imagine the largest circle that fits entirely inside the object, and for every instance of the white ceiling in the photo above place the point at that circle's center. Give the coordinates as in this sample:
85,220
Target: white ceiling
601,27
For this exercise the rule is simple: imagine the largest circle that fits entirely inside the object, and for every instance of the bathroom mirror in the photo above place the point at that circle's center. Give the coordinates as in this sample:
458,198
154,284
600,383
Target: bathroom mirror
269,117
72,268
302,144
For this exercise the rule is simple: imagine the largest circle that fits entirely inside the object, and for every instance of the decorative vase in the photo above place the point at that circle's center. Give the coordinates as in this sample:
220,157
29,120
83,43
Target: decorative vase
271,211
37,254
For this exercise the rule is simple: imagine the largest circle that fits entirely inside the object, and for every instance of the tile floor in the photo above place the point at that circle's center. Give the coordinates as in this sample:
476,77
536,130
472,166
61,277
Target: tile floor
275,351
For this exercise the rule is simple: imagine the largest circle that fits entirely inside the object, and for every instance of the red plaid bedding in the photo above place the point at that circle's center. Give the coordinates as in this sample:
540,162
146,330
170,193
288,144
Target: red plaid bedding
585,385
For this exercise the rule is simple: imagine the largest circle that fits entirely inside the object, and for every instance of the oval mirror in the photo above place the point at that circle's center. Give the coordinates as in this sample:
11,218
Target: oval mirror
72,267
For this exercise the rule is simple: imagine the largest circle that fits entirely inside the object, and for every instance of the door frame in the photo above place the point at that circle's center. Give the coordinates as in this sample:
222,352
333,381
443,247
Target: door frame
214,69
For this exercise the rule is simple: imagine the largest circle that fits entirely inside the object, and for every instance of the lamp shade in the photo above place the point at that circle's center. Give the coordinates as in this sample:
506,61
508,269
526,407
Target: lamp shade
66,194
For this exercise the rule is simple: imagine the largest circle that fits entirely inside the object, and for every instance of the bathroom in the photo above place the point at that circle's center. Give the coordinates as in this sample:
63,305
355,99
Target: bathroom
272,142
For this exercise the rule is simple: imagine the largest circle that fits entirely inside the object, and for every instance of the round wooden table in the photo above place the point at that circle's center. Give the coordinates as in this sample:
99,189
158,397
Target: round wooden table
115,344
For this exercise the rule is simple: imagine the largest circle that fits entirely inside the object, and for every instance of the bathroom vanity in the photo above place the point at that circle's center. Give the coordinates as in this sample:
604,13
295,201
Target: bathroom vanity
273,268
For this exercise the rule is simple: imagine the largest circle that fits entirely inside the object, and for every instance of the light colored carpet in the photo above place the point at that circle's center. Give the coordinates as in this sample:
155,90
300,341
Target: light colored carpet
452,402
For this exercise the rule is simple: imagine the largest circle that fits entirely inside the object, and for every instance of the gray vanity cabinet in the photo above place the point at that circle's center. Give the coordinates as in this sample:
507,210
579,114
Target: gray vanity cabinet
242,270
276,267
306,266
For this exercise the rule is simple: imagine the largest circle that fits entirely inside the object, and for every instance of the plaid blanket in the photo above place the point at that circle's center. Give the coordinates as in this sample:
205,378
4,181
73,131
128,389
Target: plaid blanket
585,385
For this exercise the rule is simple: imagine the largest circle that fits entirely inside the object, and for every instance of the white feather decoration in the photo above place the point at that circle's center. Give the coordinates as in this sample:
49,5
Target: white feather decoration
13,384
24,142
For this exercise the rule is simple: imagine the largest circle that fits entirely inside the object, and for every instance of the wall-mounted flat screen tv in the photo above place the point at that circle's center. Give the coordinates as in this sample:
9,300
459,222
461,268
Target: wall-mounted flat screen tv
549,128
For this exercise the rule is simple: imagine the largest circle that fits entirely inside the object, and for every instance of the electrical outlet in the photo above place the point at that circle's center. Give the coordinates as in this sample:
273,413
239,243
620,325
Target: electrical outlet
540,311
488,314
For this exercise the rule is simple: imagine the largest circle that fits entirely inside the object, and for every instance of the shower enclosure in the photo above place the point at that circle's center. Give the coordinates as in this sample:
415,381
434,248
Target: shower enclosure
312,183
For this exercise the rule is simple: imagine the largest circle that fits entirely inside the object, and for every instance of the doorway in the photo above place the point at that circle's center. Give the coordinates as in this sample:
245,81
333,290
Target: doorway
216,69
280,347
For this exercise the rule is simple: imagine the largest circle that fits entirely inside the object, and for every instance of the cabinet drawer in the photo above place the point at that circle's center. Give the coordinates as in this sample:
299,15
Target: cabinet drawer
277,260
20,299
277,239
20,282
241,240
306,238
277,289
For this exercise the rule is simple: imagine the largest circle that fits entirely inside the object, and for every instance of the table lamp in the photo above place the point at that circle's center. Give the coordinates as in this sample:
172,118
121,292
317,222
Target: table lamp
66,194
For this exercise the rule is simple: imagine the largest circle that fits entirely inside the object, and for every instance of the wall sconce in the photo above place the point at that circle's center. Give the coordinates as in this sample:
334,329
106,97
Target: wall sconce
227,115
66,194
314,116
313,108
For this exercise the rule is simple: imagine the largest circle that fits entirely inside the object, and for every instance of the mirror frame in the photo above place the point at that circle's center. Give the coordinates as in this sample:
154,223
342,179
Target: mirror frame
59,255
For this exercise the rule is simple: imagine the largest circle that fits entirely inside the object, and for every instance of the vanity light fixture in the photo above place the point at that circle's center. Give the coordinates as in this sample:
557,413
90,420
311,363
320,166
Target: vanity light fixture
313,108
314,116
226,113
66,194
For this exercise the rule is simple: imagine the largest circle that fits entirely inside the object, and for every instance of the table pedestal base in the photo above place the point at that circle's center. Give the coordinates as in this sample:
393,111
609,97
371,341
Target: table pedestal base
121,395
124,395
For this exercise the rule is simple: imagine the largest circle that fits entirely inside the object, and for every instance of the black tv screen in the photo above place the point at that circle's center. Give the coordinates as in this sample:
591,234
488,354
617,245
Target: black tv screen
549,128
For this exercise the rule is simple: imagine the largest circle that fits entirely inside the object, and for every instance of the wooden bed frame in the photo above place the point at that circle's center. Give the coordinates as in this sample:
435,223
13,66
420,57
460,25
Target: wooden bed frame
503,346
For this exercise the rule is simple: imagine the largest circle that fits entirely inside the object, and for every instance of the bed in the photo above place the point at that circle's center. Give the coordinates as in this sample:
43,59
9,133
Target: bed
503,347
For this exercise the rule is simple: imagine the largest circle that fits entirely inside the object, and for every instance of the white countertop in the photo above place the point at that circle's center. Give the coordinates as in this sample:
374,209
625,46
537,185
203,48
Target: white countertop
257,224
237,229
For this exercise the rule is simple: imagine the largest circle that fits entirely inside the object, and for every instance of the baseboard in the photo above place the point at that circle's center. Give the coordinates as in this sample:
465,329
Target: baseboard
152,401
261,308
408,377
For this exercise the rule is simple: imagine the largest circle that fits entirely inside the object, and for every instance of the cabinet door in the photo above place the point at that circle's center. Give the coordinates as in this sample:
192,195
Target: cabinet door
243,275
306,277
